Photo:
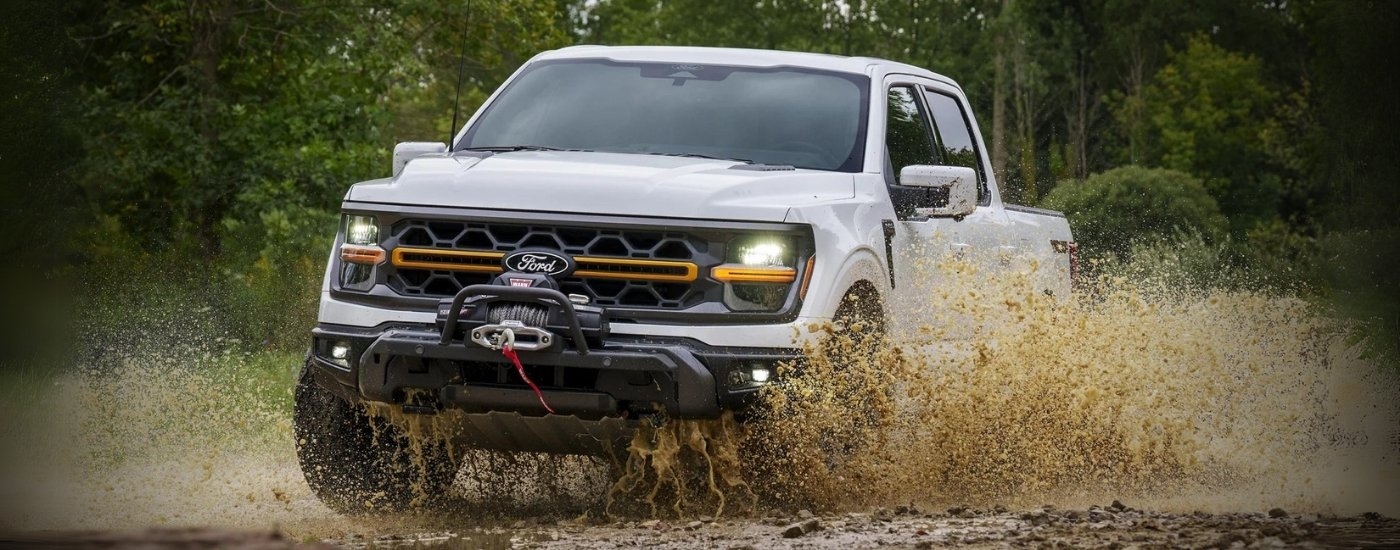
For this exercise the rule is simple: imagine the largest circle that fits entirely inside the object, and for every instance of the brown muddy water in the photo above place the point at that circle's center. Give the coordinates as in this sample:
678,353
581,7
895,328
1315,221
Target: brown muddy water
1202,410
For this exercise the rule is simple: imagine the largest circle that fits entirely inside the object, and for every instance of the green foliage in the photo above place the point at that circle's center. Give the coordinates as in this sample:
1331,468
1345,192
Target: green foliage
1285,257
211,142
36,213
1181,261
1111,211
206,109
1355,137
224,134
1209,113
1361,275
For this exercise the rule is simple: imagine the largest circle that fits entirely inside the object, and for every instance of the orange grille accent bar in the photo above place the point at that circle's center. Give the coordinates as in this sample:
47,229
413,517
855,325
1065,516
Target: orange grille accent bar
589,267
448,260
360,254
636,270
736,273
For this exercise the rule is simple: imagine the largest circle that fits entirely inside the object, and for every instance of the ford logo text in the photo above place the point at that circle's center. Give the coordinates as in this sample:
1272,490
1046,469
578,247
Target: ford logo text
538,261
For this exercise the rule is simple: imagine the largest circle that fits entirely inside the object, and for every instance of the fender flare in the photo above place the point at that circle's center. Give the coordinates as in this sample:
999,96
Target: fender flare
862,265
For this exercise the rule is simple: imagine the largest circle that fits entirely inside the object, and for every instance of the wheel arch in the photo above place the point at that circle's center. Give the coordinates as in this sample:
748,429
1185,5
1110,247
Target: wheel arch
862,272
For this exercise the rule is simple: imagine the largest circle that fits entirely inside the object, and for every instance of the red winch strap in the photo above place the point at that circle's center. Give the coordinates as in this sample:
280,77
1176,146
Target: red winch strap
509,352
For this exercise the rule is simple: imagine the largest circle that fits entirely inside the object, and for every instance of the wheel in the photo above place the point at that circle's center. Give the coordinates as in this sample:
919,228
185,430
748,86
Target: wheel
357,463
813,428
862,314
852,352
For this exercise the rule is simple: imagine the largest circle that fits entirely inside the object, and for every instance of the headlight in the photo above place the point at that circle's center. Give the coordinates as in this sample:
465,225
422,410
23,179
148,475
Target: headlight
360,253
763,254
361,230
759,272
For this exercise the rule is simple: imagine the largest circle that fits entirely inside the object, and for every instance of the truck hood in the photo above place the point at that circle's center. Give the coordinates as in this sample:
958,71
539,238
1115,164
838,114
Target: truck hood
605,183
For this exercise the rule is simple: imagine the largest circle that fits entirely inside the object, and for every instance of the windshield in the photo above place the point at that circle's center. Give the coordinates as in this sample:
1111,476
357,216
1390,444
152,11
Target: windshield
789,116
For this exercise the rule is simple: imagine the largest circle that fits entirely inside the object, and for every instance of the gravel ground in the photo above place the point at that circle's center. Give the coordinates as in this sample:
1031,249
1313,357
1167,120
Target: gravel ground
1115,526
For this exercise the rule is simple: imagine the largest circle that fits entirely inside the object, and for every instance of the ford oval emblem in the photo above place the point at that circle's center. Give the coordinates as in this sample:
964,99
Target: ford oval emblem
538,261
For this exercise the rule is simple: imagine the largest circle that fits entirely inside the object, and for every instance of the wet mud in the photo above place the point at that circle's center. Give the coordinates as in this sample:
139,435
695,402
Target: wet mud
993,416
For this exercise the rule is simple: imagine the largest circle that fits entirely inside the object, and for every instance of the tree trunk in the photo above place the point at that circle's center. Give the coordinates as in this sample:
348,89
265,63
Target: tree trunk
999,103
209,20
1137,70
1077,118
1024,95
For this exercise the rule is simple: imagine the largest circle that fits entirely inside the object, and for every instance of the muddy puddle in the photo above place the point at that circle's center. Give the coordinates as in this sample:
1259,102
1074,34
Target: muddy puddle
1203,410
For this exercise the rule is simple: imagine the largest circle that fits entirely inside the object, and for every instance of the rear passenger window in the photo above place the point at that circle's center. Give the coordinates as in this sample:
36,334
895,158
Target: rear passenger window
955,145
907,138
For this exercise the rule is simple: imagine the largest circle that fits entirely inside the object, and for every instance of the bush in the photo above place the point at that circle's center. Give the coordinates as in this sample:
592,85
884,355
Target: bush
270,272
1112,211
1183,261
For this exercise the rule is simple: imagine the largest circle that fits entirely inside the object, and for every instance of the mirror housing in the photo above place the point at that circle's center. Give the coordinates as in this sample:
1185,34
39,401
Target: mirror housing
409,150
960,182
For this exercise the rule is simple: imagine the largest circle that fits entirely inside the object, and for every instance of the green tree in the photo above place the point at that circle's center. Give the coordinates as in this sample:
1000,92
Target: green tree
36,200
224,133
196,109
1210,113
1113,210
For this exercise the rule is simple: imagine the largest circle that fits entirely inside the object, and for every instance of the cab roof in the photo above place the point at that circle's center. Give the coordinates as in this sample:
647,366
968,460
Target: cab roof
739,57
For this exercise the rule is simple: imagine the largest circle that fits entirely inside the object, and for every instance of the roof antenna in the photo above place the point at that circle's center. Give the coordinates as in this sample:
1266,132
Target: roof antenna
461,65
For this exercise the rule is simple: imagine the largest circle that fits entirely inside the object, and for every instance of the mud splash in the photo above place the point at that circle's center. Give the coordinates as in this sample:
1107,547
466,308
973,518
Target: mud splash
993,393
694,464
535,483
1195,399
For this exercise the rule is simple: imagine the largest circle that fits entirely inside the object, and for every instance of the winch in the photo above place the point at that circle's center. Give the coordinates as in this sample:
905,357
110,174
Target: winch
529,306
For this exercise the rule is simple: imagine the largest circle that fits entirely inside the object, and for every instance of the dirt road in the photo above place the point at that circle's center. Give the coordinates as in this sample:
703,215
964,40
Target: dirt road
907,527
1114,526
1132,397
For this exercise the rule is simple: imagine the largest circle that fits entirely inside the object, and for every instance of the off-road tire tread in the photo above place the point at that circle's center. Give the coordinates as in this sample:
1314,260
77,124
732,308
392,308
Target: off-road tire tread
358,464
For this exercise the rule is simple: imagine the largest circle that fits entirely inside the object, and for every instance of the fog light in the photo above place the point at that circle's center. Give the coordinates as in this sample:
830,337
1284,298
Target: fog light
759,375
340,353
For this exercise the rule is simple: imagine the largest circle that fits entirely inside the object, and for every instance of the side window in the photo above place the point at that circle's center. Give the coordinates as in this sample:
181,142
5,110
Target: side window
907,139
955,144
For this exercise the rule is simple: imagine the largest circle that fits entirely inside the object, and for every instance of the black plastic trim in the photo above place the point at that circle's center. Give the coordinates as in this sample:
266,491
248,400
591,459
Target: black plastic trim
691,377
1034,210
889,229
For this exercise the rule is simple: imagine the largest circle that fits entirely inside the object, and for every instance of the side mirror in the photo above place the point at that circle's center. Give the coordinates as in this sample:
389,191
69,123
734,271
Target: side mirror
410,150
958,182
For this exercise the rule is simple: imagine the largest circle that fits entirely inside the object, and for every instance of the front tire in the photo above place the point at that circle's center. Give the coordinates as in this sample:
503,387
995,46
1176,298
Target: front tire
358,463
852,351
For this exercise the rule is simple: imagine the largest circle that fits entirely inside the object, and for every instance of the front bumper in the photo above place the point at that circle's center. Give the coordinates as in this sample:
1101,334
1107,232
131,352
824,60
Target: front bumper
736,335
626,377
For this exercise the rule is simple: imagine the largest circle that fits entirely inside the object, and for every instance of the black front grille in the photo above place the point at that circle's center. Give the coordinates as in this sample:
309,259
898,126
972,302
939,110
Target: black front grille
606,284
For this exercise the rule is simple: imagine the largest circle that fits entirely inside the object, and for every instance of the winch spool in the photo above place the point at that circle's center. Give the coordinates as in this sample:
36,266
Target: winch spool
530,315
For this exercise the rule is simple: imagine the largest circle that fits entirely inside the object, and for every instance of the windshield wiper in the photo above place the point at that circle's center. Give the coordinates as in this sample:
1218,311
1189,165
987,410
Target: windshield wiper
512,148
693,155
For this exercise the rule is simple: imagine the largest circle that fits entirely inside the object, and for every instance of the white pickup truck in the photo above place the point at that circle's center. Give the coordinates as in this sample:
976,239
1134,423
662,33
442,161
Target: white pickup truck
625,233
